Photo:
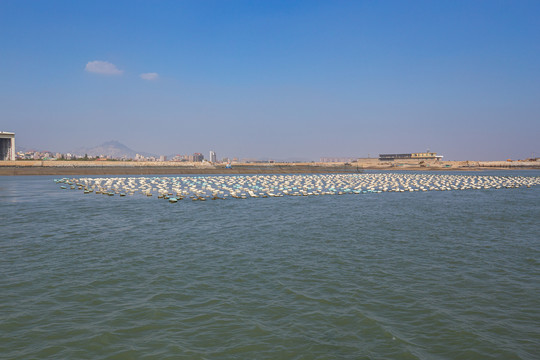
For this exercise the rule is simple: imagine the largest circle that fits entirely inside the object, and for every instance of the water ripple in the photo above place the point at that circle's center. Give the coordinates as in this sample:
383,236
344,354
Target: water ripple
404,276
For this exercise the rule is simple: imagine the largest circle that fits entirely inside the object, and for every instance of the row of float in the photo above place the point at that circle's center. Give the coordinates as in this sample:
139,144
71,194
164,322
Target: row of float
216,187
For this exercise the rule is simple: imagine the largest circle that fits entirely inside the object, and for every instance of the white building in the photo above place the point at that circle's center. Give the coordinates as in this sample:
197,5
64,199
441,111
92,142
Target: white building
213,157
7,146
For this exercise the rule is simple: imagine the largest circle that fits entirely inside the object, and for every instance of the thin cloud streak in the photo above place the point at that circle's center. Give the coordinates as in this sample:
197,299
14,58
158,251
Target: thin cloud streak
102,67
149,76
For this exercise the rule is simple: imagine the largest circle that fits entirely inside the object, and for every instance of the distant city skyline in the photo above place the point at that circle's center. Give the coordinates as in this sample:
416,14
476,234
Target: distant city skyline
279,79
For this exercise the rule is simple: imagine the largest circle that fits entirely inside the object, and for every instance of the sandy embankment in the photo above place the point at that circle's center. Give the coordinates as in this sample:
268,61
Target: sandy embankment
411,164
168,167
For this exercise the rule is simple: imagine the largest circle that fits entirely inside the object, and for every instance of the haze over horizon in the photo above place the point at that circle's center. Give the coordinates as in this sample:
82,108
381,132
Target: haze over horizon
274,79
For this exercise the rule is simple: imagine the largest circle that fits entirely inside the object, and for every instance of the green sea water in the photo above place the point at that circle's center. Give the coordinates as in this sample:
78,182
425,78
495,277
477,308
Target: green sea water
423,275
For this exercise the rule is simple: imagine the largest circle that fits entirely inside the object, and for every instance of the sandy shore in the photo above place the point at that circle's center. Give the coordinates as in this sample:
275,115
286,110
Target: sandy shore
147,168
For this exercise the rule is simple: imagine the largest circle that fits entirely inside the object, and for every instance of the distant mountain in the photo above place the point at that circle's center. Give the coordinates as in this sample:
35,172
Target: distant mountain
112,148
21,148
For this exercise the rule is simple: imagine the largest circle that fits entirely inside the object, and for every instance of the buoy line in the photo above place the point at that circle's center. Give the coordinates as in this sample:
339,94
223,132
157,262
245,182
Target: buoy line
219,187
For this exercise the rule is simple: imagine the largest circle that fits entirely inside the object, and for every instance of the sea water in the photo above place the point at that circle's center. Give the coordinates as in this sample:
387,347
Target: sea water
414,275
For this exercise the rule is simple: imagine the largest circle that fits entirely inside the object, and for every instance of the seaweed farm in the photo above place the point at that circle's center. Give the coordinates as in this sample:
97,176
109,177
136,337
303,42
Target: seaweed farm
201,188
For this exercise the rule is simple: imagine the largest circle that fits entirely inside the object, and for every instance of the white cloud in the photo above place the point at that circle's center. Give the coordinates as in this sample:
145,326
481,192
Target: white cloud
149,76
102,67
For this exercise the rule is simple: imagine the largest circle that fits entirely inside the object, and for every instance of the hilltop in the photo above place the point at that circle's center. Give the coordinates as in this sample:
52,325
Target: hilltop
113,149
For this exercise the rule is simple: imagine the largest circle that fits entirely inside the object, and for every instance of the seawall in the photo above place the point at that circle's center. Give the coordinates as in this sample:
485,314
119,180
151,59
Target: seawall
61,168
148,168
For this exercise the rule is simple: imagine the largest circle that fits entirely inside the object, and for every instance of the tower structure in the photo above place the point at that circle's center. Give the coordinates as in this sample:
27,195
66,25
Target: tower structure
7,146
213,156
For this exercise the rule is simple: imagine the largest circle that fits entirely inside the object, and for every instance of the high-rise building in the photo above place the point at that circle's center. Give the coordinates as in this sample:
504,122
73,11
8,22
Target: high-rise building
196,157
213,157
7,145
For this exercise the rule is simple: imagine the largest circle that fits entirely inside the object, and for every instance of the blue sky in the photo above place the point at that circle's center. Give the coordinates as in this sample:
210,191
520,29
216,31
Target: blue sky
274,79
